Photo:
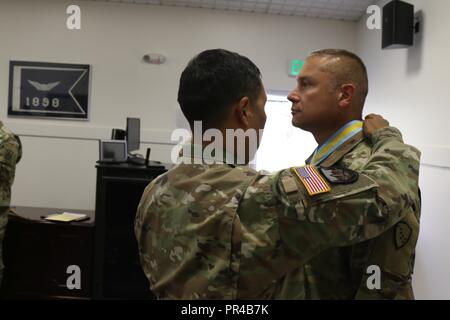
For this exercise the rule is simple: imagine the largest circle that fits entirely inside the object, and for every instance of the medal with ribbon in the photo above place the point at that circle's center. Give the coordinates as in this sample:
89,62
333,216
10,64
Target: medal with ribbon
336,140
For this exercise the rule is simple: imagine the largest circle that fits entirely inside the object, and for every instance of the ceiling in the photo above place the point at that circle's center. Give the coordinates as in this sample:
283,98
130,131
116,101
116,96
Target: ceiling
349,10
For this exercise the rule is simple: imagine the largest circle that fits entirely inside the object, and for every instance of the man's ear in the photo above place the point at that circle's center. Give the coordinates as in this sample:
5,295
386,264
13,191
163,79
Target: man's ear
243,111
346,94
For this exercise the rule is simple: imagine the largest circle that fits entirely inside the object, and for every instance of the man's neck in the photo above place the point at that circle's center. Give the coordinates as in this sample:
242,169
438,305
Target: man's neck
321,136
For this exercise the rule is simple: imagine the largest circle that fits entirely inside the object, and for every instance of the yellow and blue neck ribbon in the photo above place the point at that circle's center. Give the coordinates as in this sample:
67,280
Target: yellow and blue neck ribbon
337,139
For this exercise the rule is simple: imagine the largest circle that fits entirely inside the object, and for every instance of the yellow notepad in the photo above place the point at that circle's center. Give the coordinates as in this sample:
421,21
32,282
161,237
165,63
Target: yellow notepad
66,217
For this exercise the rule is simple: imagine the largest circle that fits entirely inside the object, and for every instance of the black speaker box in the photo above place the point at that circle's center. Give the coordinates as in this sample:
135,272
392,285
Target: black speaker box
398,25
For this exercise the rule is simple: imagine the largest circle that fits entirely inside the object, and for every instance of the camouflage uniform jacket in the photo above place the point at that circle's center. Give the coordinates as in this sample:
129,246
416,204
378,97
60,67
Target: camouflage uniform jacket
343,273
222,231
10,154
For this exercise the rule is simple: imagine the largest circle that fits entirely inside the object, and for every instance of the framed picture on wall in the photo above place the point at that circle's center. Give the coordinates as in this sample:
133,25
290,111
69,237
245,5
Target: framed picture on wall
49,90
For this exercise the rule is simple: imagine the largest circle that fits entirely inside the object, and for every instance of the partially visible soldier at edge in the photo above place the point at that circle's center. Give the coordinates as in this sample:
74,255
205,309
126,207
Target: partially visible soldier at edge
10,154
328,102
225,231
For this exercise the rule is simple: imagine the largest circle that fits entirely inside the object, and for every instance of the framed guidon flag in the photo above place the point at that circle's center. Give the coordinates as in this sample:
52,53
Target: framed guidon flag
49,90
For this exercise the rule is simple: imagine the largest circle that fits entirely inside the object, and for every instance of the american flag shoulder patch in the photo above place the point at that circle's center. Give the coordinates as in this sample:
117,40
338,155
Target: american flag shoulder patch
312,179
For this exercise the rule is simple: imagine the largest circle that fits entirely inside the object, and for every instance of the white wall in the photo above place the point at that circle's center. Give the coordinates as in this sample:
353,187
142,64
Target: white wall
411,88
59,172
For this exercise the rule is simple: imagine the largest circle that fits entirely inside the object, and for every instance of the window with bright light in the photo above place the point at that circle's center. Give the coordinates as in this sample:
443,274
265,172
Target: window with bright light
282,145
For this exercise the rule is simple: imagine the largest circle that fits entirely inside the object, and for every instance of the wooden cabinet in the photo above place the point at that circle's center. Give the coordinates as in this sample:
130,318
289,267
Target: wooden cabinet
37,255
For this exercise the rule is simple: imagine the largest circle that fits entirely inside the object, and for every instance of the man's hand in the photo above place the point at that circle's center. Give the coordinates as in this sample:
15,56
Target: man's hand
372,123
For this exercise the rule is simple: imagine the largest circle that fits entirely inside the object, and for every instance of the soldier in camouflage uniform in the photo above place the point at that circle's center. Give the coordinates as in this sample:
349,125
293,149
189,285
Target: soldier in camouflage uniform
339,79
225,231
10,154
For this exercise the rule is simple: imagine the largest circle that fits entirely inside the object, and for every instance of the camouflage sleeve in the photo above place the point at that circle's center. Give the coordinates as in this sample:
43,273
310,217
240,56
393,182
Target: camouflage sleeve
387,185
140,213
284,227
394,166
10,152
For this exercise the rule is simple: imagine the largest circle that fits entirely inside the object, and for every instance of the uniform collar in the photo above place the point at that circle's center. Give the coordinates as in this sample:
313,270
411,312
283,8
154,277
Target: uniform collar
198,154
339,144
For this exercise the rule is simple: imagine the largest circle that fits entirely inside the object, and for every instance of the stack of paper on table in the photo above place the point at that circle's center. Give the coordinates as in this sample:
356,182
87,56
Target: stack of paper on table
66,217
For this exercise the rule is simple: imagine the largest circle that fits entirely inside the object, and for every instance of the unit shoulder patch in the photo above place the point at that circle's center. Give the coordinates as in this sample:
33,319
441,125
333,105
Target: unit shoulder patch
339,175
402,233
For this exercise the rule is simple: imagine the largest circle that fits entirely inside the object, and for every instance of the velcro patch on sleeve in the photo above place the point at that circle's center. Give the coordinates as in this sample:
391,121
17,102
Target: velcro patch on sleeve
289,184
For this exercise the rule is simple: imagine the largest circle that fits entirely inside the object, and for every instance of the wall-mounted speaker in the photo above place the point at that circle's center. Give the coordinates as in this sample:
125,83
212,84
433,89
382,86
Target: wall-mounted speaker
398,25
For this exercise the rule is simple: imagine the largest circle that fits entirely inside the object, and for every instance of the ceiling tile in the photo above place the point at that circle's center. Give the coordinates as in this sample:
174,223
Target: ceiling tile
351,10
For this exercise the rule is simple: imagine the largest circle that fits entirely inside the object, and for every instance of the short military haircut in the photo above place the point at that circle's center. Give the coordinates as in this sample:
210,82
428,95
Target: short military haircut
346,67
214,80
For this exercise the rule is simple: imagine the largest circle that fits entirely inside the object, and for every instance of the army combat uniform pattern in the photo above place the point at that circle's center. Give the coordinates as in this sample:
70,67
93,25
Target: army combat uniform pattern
342,273
10,154
223,231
